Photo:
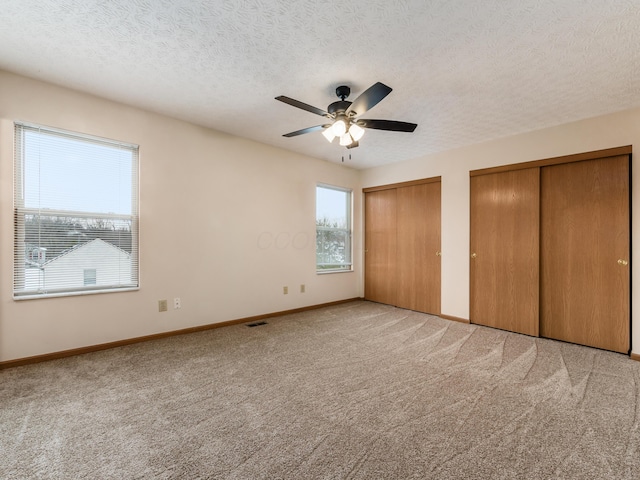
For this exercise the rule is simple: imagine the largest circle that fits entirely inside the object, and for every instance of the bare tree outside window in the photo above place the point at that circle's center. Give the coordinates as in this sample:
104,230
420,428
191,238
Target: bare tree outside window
333,229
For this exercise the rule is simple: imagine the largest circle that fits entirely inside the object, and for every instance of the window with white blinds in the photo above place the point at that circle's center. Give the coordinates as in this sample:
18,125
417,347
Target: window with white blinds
76,213
333,229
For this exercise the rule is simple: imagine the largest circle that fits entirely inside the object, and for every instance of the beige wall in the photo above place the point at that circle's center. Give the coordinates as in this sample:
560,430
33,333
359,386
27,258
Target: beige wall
608,131
225,224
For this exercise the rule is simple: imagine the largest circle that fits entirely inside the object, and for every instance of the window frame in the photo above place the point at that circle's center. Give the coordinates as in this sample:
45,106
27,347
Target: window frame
348,231
21,211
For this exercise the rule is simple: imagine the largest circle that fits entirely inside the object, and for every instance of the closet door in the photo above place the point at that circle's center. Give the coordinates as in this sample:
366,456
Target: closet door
418,247
380,246
504,264
585,253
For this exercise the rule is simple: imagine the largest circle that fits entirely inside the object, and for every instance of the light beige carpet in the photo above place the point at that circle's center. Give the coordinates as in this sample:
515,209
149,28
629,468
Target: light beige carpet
358,391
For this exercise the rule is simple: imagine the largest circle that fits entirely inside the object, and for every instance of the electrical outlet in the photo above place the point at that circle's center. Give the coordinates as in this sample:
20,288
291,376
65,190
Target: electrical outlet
285,290
177,304
162,305
302,288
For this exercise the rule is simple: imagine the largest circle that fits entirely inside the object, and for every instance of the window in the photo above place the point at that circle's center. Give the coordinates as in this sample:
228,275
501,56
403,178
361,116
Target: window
333,229
89,276
76,213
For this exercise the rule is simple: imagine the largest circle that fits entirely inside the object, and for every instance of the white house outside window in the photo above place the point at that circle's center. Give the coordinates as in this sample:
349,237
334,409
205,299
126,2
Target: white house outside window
333,229
76,213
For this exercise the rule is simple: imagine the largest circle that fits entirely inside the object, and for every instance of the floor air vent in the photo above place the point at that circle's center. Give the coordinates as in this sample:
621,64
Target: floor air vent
257,324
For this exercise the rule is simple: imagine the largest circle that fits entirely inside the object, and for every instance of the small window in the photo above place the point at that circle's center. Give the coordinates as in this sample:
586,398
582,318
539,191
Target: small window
89,276
76,213
333,229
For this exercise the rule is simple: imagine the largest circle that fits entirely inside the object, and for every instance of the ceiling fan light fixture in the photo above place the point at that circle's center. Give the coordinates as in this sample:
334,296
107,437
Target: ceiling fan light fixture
339,128
346,139
356,131
328,134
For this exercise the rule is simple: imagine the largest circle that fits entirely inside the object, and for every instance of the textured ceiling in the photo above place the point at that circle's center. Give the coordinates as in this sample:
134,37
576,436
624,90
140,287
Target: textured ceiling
465,71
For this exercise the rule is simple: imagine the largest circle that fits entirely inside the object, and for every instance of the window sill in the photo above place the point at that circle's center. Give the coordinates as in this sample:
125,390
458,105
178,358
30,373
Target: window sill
325,272
74,294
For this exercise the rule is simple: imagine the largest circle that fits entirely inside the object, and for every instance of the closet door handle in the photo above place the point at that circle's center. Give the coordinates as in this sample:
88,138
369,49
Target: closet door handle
438,254
473,255
623,262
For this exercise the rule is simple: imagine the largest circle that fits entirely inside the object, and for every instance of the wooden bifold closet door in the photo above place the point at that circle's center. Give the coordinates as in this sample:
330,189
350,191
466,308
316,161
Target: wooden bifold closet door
585,253
505,218
550,248
418,247
402,245
380,246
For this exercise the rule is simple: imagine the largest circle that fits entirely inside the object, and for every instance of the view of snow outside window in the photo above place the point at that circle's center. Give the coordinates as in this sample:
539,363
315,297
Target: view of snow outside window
333,229
76,204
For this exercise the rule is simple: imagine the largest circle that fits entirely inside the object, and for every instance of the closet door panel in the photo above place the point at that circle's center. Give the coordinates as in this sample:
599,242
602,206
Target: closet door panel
418,237
504,264
380,276
585,253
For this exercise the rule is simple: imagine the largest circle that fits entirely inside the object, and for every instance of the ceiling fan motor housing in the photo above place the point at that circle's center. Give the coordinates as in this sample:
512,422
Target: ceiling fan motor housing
339,107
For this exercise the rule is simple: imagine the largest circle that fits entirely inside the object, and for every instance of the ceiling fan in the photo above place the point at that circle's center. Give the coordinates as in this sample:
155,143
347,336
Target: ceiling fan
342,116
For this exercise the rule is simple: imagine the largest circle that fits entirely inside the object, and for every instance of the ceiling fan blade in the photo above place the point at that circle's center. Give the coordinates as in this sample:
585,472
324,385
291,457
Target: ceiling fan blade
303,106
391,125
306,130
369,98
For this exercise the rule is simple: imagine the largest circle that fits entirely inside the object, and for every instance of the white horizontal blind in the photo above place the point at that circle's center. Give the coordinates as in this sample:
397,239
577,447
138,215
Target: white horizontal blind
76,213
333,228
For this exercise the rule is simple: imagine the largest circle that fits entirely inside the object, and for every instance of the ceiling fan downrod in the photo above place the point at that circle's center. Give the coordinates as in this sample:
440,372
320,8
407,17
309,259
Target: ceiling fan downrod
343,92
